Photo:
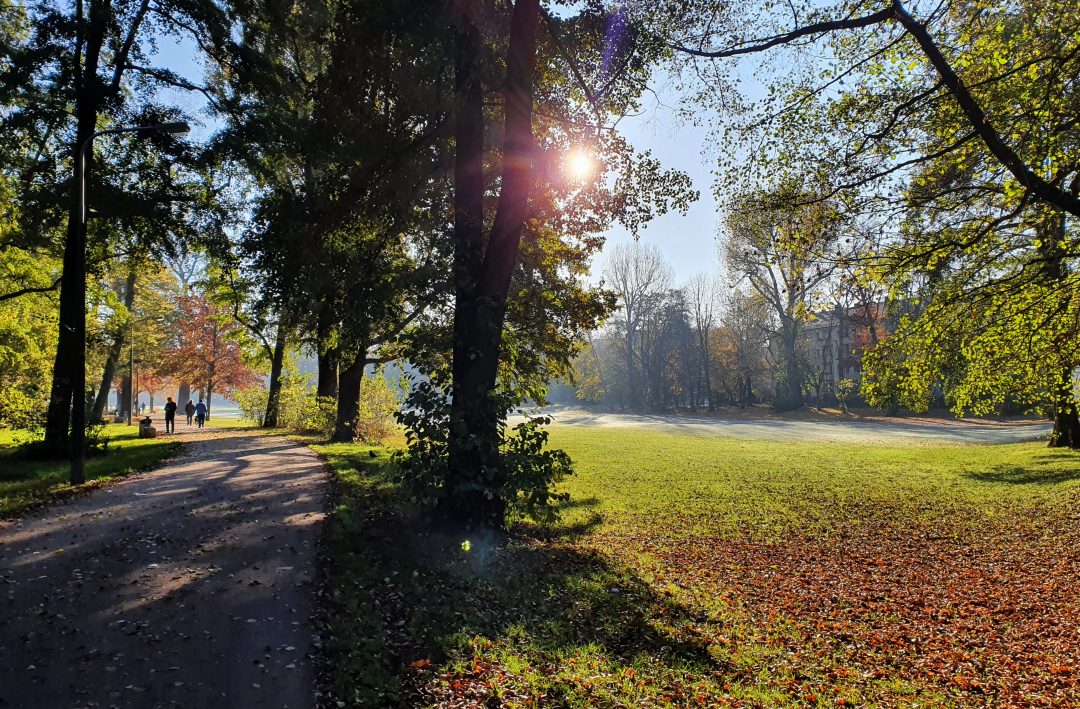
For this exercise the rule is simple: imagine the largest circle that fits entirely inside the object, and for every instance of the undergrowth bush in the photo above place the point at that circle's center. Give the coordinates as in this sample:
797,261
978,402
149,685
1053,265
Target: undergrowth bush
523,476
300,410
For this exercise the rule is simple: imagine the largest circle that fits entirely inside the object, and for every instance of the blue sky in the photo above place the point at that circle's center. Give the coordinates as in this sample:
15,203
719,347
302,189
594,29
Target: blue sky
687,242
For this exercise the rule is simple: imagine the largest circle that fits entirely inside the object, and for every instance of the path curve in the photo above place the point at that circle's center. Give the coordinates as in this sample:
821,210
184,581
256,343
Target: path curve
188,586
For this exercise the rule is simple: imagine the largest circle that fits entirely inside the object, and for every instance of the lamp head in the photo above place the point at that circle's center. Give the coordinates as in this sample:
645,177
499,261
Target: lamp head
173,128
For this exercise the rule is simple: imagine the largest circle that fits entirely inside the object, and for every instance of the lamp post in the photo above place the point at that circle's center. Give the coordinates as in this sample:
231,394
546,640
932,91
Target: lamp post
78,385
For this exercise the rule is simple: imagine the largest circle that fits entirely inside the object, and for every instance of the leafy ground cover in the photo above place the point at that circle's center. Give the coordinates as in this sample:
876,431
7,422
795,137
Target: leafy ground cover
699,571
26,483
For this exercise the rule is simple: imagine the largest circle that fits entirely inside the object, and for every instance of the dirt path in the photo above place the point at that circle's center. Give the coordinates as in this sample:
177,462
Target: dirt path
190,586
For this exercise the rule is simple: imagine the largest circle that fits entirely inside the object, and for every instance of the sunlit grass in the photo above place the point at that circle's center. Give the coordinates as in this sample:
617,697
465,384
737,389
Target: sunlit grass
704,485
639,596
25,483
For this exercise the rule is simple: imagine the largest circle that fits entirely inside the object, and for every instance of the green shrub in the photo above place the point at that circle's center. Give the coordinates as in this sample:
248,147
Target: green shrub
317,415
300,410
522,476
379,404
252,402
844,389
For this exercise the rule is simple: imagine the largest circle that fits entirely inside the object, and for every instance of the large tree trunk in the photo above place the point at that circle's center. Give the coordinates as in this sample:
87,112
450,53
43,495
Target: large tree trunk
789,394
184,395
69,374
273,401
328,372
1066,433
348,404
476,478
127,393
117,348
98,411
72,301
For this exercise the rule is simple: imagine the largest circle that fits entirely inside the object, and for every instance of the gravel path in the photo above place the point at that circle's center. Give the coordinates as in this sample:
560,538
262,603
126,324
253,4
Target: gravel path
189,586
915,431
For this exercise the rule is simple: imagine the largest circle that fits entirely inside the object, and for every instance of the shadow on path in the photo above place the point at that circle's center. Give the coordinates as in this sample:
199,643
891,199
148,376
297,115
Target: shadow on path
187,586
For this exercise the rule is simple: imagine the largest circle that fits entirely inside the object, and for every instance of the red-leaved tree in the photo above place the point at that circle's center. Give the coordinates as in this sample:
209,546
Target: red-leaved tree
206,351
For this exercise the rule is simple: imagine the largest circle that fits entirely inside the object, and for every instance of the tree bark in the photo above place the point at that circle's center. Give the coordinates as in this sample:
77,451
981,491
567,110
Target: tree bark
707,370
789,397
273,400
328,372
117,348
481,291
184,395
1066,433
209,390
348,404
72,325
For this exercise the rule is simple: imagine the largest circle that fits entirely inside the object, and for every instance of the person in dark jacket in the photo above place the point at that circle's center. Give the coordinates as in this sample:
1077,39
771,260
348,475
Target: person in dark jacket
170,416
190,411
200,413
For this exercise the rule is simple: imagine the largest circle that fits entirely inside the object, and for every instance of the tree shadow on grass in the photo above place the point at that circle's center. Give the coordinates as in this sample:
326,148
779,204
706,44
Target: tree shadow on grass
407,598
1046,470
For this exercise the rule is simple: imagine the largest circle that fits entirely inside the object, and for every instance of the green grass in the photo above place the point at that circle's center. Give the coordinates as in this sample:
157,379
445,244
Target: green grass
700,571
28,483
707,486
227,423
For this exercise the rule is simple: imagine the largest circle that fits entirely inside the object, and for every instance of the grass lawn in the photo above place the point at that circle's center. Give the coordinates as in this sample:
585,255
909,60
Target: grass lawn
701,571
28,483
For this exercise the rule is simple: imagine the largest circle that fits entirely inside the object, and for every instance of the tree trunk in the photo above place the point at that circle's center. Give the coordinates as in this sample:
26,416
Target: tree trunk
72,301
1066,433
69,374
328,372
789,396
115,350
348,403
98,411
184,396
476,479
209,392
273,401
127,396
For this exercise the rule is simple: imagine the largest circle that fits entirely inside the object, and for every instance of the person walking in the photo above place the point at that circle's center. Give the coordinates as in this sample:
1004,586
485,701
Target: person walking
170,416
190,411
200,413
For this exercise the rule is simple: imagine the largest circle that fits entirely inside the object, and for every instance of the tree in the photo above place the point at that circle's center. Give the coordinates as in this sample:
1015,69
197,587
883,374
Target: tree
641,279
59,90
524,172
784,245
703,299
337,114
956,122
741,340
208,352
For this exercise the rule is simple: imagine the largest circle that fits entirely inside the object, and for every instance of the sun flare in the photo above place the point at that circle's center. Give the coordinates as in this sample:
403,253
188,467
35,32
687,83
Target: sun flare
580,165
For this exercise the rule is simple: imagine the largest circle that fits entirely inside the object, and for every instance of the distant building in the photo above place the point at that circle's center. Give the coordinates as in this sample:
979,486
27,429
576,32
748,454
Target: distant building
832,344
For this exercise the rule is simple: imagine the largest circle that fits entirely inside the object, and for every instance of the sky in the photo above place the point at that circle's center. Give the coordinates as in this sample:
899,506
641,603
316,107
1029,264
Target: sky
688,242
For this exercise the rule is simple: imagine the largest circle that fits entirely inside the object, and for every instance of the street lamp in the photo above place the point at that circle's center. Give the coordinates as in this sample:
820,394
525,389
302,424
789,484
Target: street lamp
78,386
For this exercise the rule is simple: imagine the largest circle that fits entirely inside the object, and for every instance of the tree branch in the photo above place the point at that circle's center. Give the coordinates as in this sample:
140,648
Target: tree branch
760,45
28,291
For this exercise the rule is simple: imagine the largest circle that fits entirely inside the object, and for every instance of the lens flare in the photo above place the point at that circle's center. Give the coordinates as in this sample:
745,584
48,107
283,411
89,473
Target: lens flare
580,165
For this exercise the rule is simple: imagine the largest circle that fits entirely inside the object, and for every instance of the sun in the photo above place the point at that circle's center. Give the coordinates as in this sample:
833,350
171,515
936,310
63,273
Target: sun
580,165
